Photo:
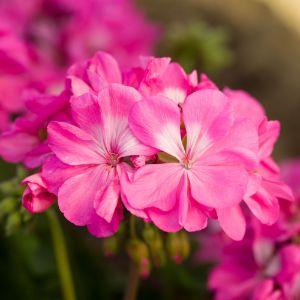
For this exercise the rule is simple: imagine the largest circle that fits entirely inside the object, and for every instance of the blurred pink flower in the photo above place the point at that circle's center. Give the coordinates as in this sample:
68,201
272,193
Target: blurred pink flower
160,77
26,140
256,271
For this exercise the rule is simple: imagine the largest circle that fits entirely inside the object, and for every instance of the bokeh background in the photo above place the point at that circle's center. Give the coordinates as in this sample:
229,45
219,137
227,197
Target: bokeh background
252,45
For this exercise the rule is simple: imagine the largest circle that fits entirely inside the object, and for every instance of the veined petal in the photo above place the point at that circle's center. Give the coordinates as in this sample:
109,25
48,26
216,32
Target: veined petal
76,197
165,220
107,69
264,206
219,180
107,200
55,173
175,83
116,102
153,186
156,122
191,215
232,222
87,114
208,117
72,145
101,228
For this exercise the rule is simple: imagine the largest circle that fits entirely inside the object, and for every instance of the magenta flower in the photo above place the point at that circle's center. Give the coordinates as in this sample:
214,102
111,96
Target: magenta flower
160,77
207,174
265,185
257,271
93,158
36,197
26,140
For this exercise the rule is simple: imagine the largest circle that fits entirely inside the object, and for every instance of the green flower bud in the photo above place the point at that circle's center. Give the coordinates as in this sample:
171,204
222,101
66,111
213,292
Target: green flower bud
139,253
110,246
178,246
154,240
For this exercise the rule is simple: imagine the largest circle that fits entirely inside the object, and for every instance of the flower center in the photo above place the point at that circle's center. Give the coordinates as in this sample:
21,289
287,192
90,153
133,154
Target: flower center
186,163
112,159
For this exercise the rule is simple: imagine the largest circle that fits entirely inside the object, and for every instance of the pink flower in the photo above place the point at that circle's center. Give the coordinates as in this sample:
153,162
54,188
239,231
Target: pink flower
92,158
158,76
256,271
265,185
36,197
63,31
206,175
94,74
26,140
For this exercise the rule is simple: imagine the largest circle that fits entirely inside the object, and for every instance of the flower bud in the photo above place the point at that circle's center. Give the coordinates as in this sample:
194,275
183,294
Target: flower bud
36,197
138,160
110,246
139,253
178,246
153,239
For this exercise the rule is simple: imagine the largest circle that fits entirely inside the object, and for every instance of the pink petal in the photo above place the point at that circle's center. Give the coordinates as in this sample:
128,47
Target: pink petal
264,206
165,220
100,228
76,197
191,215
156,122
116,102
107,200
208,118
175,83
87,114
268,135
37,156
106,67
232,222
245,106
219,180
279,189
72,145
55,173
15,145
153,186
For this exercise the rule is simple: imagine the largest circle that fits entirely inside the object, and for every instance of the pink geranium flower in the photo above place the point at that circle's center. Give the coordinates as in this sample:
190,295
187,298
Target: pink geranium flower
160,76
207,174
266,186
92,154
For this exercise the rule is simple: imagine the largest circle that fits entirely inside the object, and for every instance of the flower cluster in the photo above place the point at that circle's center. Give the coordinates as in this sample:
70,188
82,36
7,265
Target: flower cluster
39,39
266,264
150,140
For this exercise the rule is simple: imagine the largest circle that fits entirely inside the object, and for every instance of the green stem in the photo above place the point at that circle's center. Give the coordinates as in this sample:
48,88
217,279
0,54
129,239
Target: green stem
133,282
132,227
61,254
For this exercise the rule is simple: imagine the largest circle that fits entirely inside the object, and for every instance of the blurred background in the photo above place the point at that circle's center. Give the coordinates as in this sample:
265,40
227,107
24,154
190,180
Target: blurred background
252,45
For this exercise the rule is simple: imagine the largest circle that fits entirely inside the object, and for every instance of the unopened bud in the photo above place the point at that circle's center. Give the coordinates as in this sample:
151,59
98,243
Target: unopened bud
138,252
178,246
110,246
153,239
138,160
